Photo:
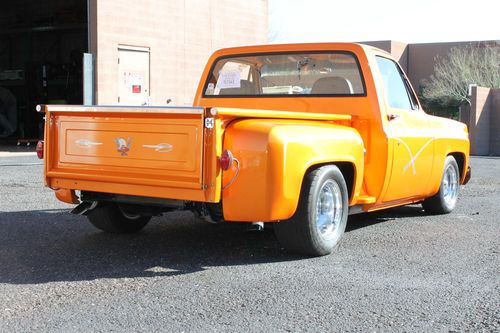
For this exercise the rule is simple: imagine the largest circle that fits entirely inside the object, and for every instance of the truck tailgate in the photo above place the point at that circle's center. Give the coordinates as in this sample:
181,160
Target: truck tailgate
156,152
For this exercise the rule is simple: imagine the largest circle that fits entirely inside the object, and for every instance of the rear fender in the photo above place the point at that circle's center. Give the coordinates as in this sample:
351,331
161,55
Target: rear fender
274,155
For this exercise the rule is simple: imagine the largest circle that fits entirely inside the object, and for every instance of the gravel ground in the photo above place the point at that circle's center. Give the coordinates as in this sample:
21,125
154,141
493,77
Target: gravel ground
397,270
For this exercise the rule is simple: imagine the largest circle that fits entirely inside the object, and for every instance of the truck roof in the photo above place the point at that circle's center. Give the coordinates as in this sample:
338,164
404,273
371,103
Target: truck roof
354,47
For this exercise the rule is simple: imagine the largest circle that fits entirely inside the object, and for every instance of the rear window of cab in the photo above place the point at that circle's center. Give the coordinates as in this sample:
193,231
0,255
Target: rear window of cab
326,73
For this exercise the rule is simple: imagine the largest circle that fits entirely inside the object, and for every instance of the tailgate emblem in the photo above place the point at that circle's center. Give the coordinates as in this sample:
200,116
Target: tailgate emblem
87,143
162,147
122,145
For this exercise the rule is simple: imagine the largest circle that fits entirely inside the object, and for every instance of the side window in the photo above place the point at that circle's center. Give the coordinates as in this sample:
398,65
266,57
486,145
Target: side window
397,92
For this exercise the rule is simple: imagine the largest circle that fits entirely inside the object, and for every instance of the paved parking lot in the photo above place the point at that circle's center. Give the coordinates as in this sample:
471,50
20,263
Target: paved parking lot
397,270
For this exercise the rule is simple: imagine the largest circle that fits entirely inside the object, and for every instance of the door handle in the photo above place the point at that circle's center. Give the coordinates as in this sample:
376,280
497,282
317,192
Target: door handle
392,116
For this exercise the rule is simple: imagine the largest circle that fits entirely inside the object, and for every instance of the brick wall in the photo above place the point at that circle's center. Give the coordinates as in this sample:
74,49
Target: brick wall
495,122
181,35
479,126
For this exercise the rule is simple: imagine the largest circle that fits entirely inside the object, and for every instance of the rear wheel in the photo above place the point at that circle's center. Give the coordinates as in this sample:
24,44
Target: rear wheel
445,200
321,217
111,218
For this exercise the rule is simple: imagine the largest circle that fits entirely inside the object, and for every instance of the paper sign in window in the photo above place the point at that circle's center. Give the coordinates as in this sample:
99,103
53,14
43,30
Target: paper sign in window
229,79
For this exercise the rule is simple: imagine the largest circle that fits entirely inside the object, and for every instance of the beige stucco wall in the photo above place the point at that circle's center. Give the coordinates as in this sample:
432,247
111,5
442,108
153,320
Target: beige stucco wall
418,60
181,34
400,52
397,49
422,58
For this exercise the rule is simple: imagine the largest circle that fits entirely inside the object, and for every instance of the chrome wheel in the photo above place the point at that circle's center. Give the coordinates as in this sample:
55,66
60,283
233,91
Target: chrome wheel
329,210
450,186
444,201
321,216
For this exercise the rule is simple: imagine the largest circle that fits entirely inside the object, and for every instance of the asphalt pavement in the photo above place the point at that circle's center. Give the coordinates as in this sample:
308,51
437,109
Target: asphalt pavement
397,270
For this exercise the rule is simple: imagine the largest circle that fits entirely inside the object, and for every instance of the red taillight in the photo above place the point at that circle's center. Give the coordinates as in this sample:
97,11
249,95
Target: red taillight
226,160
39,149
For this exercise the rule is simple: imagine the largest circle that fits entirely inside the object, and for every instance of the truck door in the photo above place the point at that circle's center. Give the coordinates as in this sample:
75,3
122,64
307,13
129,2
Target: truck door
408,133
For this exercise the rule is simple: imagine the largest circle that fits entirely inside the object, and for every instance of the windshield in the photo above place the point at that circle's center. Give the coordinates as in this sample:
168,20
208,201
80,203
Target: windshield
315,73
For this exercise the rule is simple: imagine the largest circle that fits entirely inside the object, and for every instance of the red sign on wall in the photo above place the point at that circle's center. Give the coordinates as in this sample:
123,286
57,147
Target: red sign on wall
136,89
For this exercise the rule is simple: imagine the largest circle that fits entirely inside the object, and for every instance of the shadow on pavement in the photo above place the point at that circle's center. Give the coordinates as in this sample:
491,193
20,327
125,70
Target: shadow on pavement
53,245
45,246
367,219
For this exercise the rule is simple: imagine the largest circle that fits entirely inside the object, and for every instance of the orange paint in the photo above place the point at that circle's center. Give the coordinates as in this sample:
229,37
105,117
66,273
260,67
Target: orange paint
67,196
397,156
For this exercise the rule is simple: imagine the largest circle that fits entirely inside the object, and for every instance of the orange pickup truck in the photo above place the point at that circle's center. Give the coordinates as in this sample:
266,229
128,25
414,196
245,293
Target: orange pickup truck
300,135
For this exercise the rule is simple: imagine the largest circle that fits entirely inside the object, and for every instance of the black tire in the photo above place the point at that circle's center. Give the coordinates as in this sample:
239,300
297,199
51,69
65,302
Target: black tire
301,233
110,218
445,200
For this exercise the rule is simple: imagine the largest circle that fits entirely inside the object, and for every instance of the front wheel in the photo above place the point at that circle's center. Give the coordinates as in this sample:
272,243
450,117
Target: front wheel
321,217
445,200
111,218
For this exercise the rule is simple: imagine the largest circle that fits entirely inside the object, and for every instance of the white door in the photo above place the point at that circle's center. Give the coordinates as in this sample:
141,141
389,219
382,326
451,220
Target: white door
133,75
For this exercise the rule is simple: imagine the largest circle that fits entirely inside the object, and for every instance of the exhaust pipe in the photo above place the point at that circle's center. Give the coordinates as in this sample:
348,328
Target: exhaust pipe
84,208
255,226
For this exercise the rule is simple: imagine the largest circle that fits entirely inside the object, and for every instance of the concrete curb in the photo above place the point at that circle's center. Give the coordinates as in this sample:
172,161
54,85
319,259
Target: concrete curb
16,154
